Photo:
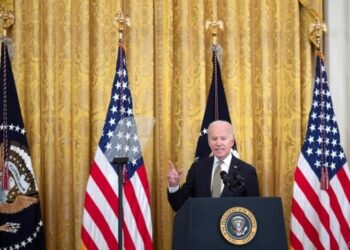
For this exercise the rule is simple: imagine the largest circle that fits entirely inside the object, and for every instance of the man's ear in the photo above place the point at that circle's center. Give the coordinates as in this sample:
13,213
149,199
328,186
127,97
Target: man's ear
232,142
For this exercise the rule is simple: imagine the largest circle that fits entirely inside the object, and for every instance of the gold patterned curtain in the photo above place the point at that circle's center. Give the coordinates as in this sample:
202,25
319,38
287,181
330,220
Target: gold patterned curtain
64,63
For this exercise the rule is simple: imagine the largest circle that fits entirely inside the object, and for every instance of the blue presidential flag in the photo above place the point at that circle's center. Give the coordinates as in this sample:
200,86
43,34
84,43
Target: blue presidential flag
21,226
216,108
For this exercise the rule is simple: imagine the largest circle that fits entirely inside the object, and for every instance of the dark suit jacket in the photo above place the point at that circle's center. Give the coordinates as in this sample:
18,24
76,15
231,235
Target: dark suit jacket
198,181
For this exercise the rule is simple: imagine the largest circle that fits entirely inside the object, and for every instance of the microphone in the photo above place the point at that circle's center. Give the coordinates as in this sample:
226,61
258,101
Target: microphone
236,184
240,182
227,180
239,178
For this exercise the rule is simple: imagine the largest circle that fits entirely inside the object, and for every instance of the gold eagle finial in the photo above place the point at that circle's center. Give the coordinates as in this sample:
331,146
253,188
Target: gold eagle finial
7,19
214,25
120,20
317,30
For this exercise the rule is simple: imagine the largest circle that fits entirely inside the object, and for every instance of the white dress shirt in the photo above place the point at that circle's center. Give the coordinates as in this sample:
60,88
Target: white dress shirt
225,166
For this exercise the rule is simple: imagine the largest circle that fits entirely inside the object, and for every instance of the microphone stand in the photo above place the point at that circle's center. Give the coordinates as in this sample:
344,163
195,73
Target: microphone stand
235,190
118,164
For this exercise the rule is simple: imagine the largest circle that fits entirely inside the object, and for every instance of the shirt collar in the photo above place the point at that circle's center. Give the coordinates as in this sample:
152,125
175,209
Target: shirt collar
226,161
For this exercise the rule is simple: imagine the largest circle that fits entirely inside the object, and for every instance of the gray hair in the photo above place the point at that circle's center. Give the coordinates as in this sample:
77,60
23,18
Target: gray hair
221,122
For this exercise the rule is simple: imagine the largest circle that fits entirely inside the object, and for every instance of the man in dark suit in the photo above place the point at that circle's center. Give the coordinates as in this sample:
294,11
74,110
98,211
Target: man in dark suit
204,179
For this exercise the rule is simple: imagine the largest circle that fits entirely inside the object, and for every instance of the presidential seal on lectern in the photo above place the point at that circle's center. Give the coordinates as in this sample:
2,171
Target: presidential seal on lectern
238,225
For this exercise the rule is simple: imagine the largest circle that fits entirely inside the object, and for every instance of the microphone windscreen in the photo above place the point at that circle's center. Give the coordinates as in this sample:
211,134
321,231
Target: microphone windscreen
223,174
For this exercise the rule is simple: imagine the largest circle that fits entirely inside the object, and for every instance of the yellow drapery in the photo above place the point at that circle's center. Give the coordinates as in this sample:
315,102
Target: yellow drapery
64,65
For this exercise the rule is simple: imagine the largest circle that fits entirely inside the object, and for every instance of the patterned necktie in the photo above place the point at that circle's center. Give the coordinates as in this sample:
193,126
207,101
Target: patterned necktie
216,185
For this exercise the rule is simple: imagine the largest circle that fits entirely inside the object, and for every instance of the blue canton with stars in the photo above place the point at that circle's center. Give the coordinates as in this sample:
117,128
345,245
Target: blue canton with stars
119,138
322,142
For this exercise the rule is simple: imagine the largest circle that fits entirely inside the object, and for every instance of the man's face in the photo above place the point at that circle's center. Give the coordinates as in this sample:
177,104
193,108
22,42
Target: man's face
220,140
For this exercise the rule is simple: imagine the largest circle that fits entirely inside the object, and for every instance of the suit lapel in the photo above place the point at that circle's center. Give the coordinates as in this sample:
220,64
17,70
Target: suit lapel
207,175
234,166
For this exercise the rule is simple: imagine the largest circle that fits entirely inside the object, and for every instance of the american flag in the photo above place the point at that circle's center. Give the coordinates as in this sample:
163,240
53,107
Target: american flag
320,216
119,139
216,108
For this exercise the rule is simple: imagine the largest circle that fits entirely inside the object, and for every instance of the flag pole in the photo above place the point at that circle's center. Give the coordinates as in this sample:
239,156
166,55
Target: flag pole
119,162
